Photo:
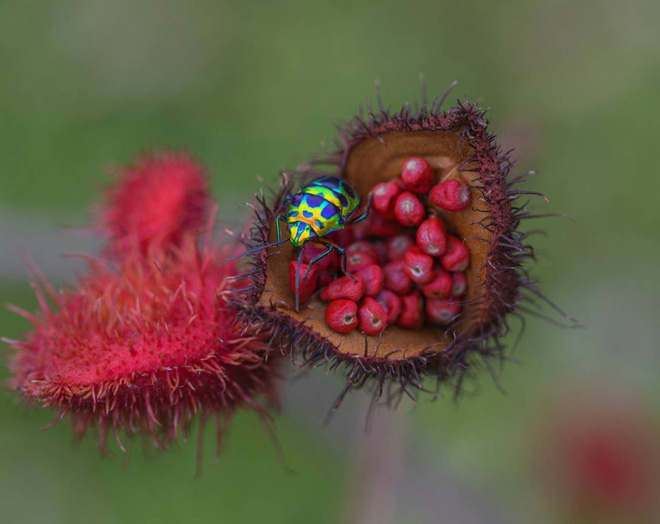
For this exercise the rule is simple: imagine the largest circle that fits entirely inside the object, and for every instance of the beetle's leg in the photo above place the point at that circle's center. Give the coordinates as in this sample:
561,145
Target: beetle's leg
261,248
277,226
366,211
298,280
342,252
318,257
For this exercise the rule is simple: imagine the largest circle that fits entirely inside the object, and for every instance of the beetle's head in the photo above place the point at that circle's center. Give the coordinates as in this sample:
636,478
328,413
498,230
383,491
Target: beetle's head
299,233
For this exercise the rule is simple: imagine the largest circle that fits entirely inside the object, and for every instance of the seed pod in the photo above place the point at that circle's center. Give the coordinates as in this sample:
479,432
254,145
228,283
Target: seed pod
153,203
144,346
457,145
144,343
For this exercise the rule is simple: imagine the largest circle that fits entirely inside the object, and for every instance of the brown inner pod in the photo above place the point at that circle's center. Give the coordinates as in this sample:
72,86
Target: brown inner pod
370,162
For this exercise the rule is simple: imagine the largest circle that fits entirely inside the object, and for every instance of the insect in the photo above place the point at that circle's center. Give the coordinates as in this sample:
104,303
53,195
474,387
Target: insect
324,205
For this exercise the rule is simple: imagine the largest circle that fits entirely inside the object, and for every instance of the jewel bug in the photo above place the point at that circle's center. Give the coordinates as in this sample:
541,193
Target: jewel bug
325,204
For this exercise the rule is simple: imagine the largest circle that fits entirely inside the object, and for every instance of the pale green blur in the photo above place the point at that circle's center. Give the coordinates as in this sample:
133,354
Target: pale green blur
253,87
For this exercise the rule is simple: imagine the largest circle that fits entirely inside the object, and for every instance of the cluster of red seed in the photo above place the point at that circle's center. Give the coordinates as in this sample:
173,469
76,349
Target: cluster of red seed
406,268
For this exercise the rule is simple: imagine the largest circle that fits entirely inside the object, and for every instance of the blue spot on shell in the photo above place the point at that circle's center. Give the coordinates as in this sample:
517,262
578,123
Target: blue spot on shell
307,214
314,201
328,211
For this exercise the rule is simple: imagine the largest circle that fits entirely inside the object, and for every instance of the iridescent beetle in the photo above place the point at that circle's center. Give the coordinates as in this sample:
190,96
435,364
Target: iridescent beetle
324,205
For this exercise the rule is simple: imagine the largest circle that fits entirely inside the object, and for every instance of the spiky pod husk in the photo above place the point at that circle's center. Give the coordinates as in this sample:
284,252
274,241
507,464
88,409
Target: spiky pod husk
370,150
144,347
152,202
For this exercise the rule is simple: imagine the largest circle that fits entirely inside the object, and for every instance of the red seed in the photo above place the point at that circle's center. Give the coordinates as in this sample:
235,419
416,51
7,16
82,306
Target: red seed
381,249
377,226
451,195
341,315
384,196
395,278
417,175
360,232
358,260
412,306
457,256
459,284
408,210
440,286
344,236
441,310
372,317
372,276
418,265
398,245
311,251
344,287
392,304
306,286
362,246
432,237
325,277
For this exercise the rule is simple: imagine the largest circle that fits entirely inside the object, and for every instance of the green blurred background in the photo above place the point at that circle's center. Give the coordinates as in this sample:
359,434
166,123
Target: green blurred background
251,87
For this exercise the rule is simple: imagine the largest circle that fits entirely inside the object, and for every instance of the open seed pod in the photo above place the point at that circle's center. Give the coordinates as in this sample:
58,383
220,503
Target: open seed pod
457,145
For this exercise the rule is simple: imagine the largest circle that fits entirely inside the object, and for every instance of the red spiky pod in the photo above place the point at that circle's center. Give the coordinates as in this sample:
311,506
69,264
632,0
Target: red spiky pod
457,145
143,345
153,202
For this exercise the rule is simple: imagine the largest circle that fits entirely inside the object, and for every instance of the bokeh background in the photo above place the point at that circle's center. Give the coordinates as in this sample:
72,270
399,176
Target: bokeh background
252,87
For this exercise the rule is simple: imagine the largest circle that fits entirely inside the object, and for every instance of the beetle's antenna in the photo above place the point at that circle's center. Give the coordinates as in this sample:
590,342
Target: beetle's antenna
257,249
300,255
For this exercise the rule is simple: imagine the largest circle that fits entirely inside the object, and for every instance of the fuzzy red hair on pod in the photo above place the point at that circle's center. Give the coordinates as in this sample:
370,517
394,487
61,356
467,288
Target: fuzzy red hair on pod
144,345
154,201
457,144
